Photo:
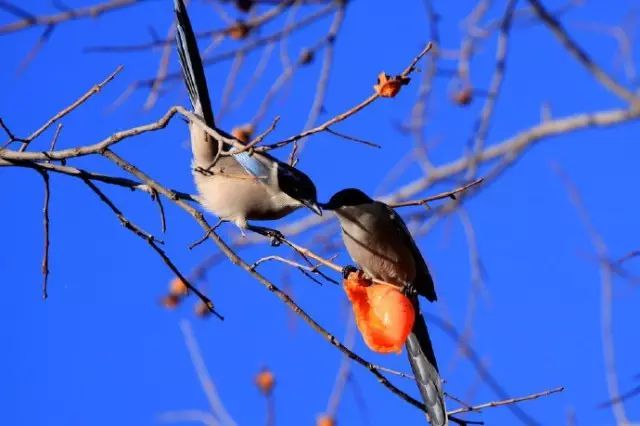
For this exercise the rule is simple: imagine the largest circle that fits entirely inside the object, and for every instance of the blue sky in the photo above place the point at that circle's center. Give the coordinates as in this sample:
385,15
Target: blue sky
102,351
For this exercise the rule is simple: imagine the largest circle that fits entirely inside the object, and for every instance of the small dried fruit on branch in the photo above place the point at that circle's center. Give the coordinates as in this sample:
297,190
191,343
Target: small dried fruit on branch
388,87
243,133
239,30
170,301
202,310
464,96
383,314
306,57
325,420
265,380
178,288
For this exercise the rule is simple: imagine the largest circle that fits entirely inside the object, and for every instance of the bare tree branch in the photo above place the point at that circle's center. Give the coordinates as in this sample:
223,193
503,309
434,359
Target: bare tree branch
507,401
606,306
581,55
30,20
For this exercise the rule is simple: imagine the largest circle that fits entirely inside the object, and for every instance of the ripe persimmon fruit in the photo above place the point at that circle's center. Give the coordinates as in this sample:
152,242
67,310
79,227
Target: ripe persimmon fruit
383,314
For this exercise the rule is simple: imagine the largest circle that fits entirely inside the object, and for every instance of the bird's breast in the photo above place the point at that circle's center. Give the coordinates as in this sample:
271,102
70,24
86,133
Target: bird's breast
243,197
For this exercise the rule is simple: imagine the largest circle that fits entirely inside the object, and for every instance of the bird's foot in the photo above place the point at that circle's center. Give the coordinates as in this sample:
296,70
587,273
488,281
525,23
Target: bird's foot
347,270
276,236
364,279
410,290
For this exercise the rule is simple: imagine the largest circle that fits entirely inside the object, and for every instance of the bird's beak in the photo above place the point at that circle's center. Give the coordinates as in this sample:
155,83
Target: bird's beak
313,206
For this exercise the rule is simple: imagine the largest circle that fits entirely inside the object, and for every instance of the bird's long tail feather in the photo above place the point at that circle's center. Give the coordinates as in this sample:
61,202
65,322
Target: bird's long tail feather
425,369
204,148
191,64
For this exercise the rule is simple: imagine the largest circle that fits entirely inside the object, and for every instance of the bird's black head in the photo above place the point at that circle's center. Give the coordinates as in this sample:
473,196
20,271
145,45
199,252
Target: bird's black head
298,186
347,197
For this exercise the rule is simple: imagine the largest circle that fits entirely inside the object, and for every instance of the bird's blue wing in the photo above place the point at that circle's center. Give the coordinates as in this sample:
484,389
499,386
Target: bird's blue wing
253,165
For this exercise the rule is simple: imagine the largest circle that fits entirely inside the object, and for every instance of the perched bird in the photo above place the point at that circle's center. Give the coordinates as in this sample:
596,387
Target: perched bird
242,186
378,240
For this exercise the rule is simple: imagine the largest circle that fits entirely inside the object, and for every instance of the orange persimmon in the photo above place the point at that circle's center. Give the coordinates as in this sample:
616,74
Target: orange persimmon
388,86
265,380
178,288
383,314
325,420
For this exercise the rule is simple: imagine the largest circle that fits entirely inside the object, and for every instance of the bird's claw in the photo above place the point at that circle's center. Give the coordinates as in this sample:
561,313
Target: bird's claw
409,290
347,270
276,236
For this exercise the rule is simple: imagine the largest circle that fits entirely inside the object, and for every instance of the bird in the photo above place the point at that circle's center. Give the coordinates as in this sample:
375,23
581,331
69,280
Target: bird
234,184
378,241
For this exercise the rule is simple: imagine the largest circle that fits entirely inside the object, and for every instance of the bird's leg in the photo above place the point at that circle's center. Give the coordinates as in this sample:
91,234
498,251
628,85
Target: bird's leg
276,236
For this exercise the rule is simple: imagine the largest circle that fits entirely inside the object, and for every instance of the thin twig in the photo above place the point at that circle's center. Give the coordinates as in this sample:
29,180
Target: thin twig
506,401
255,76
344,371
271,410
483,372
9,133
56,135
163,219
477,281
448,194
204,238
622,397
150,239
312,269
606,302
395,372
351,138
213,397
323,80
251,24
30,20
257,140
30,56
418,112
628,256
121,217
230,83
308,253
95,89
287,73
481,129
581,55
161,73
189,416
45,223
258,42
351,111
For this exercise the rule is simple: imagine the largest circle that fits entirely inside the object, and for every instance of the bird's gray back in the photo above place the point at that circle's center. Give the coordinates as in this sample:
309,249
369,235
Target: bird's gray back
371,238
